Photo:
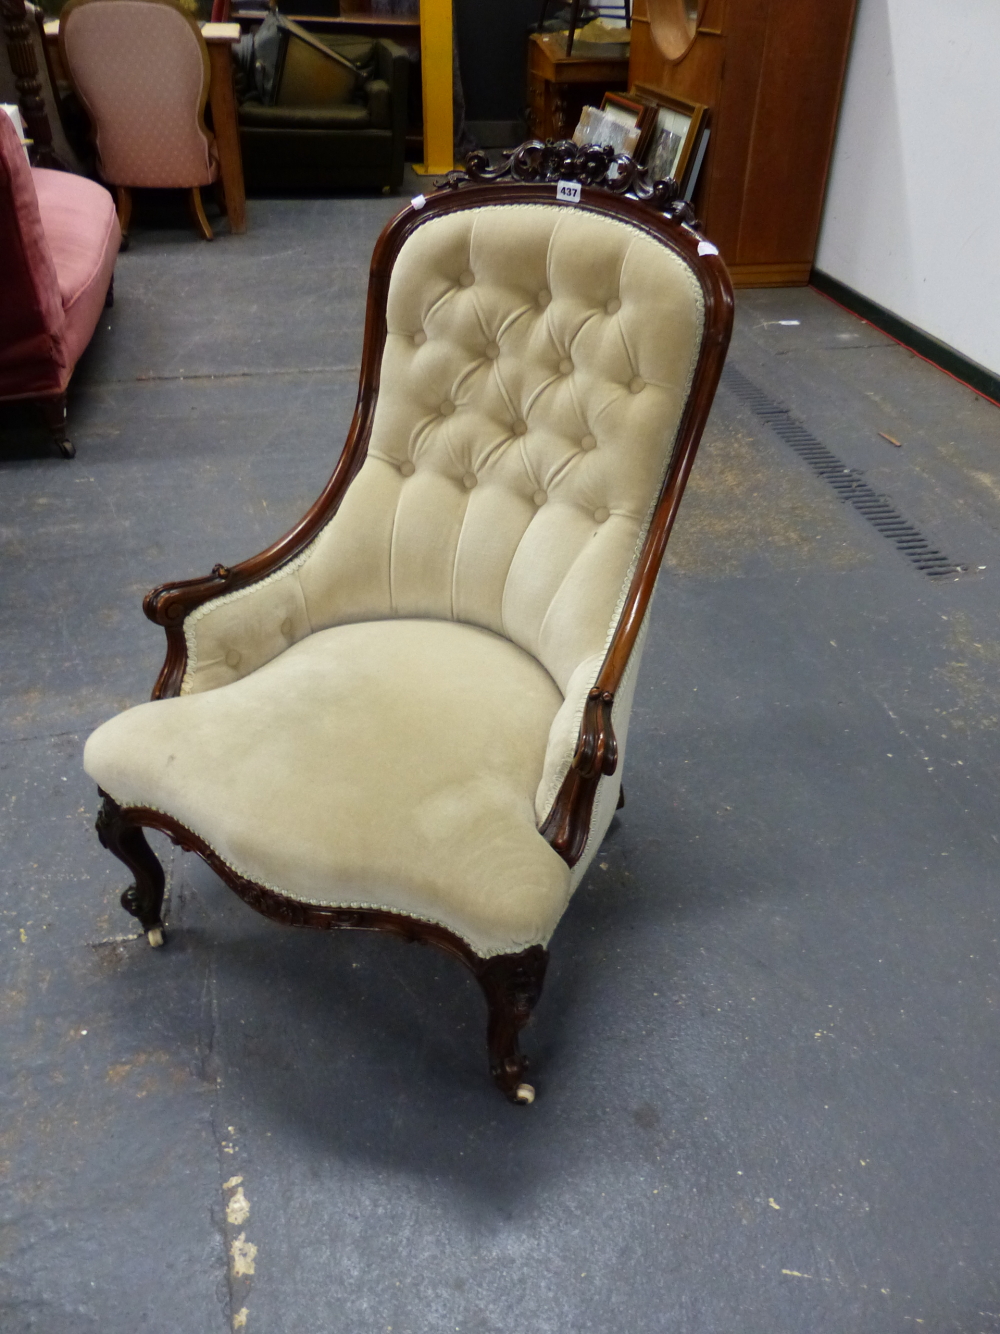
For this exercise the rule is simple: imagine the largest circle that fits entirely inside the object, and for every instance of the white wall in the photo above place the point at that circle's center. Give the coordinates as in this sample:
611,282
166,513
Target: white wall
912,213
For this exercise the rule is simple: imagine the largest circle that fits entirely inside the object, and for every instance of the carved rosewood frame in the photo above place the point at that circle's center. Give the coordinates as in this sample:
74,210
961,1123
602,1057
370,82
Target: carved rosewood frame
512,983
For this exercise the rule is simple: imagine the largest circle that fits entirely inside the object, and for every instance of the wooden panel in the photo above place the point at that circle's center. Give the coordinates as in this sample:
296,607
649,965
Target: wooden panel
770,275
771,71
794,123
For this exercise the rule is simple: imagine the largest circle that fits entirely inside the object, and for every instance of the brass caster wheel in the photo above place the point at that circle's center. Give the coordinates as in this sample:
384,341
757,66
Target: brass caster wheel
155,937
524,1093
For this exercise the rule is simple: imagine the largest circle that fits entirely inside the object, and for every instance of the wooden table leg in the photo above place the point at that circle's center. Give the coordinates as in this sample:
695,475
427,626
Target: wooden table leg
227,134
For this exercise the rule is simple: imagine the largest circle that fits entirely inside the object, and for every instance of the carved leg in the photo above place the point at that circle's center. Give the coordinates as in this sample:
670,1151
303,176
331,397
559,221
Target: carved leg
127,842
512,984
54,412
198,210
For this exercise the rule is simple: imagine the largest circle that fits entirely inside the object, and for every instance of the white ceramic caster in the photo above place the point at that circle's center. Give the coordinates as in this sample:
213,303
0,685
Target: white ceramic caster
524,1093
155,938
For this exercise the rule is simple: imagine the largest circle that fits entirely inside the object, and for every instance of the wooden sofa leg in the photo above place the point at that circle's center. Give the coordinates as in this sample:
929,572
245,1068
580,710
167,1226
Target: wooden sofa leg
512,984
124,205
54,411
109,296
198,211
127,842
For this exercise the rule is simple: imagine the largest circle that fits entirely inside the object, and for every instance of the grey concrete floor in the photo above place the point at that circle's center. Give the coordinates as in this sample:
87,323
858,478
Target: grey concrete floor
767,1053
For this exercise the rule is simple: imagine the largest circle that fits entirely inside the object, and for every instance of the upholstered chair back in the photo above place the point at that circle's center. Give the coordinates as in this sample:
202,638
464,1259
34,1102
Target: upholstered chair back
141,70
537,361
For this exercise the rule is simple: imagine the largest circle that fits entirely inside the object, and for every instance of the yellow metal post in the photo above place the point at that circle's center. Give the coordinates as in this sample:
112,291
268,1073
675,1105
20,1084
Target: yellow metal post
436,68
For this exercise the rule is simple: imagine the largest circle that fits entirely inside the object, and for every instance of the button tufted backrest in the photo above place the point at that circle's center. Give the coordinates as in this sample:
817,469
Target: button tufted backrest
536,365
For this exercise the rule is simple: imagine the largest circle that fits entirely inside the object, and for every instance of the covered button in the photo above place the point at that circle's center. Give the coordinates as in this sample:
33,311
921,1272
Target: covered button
406,468
602,514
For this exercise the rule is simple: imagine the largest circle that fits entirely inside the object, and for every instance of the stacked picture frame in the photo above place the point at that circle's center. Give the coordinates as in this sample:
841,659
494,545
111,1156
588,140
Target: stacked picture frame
667,135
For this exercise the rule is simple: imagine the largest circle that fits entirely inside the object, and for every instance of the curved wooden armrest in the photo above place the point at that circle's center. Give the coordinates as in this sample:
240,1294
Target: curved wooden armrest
597,748
170,604
567,825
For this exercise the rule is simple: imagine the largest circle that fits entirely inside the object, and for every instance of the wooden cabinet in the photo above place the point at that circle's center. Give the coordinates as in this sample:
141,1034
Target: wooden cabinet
771,72
559,86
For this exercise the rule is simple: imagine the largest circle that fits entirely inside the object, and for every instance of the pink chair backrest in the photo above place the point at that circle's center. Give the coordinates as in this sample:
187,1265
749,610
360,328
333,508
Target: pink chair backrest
140,68
31,312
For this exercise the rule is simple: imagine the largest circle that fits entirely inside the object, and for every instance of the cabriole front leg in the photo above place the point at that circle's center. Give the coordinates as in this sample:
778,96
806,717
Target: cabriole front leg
512,984
127,842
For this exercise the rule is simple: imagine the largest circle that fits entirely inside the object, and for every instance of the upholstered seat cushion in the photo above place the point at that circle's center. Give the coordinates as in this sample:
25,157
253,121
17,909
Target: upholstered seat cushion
388,764
81,228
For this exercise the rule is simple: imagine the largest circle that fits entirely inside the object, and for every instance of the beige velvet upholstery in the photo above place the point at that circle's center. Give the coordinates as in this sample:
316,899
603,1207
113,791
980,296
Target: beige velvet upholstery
536,366
141,70
380,759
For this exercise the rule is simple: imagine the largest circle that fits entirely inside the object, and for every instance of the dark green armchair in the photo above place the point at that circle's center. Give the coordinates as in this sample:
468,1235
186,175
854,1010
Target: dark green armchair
350,138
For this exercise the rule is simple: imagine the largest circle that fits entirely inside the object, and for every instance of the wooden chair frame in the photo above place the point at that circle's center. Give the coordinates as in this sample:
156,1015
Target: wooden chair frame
512,983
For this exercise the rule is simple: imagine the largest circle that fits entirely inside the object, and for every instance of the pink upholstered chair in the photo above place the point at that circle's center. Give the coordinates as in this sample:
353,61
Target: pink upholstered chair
141,70
58,240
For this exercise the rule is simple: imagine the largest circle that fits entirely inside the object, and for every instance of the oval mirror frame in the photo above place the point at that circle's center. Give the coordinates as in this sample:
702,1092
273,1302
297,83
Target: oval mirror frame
674,25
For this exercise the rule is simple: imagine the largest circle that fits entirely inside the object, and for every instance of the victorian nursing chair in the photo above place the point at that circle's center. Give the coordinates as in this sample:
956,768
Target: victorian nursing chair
141,71
409,714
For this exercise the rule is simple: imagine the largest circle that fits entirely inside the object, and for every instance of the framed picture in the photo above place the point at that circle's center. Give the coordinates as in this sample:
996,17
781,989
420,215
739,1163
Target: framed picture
613,131
634,115
671,147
